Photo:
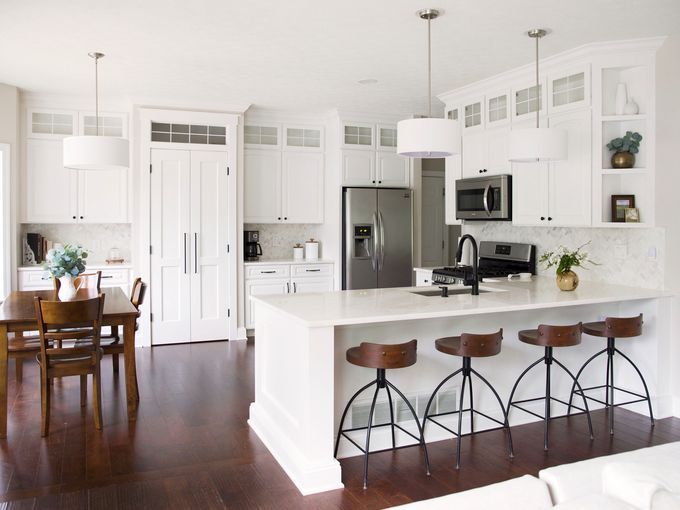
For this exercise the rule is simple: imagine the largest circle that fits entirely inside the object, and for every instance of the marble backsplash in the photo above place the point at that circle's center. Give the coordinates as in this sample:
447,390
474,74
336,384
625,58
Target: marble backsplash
632,257
98,239
278,239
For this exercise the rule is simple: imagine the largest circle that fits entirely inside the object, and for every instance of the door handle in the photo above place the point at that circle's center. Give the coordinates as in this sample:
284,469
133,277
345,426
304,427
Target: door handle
312,270
381,260
185,253
196,252
374,255
486,199
267,272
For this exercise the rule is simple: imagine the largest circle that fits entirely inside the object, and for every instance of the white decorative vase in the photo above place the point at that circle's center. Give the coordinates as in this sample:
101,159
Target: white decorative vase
621,98
67,289
631,108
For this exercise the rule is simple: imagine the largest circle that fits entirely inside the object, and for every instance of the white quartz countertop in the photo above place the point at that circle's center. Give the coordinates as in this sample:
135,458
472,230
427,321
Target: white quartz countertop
349,307
93,265
286,262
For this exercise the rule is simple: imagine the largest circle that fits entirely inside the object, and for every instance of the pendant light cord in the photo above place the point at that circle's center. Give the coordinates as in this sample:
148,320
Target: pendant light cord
538,89
429,69
96,95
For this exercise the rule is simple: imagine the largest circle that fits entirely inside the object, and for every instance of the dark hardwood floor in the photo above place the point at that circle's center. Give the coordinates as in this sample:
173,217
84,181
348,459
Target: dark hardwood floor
191,446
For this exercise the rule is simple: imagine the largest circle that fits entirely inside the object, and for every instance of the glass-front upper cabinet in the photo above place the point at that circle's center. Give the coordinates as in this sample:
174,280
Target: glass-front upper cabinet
308,138
569,89
110,124
452,114
527,100
357,135
473,115
257,136
387,138
50,123
497,108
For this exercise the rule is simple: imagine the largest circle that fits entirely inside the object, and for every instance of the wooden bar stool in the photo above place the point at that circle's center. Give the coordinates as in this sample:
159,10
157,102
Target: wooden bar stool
381,357
468,346
611,329
550,337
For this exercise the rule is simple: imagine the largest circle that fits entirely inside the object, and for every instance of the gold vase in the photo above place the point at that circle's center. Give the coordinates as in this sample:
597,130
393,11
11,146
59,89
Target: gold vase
623,160
567,280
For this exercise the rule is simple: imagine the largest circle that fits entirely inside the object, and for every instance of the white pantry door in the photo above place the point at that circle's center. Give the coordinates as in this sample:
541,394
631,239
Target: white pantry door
170,244
209,238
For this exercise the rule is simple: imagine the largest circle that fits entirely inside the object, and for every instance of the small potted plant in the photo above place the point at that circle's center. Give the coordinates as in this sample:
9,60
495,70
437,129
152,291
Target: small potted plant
564,260
65,263
625,149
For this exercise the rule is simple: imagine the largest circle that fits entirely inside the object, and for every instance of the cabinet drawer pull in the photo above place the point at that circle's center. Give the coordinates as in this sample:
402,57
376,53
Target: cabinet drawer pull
312,270
267,272
107,276
46,278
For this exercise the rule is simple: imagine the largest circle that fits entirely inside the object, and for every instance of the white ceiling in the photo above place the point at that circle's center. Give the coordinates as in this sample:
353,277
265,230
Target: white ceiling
302,55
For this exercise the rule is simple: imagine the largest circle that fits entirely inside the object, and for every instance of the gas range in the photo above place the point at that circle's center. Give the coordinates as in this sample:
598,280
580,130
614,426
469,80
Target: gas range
496,260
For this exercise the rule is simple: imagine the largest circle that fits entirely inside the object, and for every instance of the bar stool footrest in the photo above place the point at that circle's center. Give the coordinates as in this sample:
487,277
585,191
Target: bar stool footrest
553,399
431,416
344,434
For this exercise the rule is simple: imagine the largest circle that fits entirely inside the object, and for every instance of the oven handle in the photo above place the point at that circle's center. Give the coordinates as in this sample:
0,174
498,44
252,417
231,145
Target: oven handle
486,199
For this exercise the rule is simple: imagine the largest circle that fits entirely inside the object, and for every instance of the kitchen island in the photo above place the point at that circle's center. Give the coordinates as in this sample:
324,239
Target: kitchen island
302,381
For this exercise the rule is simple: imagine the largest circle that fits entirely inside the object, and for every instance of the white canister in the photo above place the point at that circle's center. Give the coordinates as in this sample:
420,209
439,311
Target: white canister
298,252
312,250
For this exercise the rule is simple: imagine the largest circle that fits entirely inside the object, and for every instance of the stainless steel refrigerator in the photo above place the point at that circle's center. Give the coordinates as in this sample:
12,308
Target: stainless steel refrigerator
377,240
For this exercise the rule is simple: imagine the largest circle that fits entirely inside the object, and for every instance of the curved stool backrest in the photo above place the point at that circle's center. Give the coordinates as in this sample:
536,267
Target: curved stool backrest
623,327
559,336
480,346
387,356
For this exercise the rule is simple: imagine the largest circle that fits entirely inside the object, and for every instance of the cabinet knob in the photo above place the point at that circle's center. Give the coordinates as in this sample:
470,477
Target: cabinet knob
549,218
373,182
480,170
379,182
81,217
485,170
285,218
74,217
542,218
279,217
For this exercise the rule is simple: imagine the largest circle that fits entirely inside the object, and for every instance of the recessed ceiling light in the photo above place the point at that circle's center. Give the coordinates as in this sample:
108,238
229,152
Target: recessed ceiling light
368,81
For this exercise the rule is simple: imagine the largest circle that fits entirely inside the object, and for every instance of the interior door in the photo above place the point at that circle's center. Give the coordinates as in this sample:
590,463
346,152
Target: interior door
433,249
170,290
209,234
395,261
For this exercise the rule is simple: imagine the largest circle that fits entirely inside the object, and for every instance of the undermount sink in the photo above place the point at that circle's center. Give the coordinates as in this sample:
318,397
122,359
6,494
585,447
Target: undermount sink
452,292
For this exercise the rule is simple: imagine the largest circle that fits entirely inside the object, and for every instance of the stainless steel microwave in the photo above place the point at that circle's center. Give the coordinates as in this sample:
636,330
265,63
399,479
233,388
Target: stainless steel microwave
484,198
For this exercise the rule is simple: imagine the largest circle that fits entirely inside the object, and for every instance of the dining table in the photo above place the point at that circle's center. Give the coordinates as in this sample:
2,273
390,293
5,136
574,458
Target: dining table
17,315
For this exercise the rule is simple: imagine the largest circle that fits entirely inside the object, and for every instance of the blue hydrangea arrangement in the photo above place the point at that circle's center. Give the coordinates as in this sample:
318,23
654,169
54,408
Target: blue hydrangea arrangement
69,259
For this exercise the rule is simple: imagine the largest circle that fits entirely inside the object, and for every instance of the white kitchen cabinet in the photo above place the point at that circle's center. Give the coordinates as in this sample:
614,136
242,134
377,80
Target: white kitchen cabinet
527,99
189,262
423,277
283,187
303,138
357,135
497,106
358,168
392,170
266,279
485,153
375,168
387,138
102,196
262,136
262,186
51,124
557,193
36,278
302,187
569,89
473,115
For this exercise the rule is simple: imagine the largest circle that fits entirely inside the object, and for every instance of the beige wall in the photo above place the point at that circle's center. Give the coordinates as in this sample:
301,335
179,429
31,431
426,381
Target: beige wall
668,183
9,133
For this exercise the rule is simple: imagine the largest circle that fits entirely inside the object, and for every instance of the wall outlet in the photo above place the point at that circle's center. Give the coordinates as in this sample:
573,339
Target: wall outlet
651,252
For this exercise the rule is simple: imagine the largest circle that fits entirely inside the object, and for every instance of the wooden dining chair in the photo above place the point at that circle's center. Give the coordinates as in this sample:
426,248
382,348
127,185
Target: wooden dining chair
69,320
110,343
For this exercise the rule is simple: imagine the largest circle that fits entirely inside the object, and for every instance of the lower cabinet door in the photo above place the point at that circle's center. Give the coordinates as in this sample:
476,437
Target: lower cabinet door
264,287
304,285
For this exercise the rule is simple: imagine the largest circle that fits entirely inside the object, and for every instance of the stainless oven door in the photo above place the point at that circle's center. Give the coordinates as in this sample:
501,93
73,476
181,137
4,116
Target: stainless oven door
484,198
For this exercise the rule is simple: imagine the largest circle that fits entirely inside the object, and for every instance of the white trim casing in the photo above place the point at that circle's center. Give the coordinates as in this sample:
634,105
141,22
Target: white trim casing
6,227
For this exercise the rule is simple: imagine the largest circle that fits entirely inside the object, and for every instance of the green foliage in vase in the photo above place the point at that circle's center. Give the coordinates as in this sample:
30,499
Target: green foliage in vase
630,142
564,259
70,259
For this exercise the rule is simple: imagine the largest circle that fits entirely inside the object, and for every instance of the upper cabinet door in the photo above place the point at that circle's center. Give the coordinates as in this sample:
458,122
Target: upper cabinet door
530,194
392,170
571,179
50,190
110,124
474,154
473,115
496,151
526,100
497,109
303,138
357,135
303,188
262,187
41,123
358,168
102,196
387,138
569,89
256,136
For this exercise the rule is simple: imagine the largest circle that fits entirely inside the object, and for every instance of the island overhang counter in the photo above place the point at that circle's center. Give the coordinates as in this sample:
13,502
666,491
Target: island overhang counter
302,380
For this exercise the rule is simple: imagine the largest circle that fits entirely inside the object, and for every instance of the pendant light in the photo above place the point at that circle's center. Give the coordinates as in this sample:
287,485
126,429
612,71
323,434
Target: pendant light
537,144
428,137
96,152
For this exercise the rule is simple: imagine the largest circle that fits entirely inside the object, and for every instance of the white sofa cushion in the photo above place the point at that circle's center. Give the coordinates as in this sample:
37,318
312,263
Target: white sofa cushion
525,493
595,502
644,485
571,481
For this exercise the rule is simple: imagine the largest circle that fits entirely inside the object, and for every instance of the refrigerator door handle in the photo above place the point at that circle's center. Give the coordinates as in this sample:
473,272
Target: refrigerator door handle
374,254
382,242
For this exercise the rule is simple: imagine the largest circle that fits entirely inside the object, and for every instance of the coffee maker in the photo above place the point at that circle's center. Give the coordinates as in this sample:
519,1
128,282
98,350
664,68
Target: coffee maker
251,246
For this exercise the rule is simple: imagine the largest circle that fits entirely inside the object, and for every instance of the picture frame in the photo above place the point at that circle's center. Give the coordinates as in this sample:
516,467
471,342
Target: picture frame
619,205
632,215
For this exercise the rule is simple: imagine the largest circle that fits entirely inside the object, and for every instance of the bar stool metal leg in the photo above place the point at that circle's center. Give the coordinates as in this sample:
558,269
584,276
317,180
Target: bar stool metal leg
644,384
505,412
344,414
389,400
368,435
